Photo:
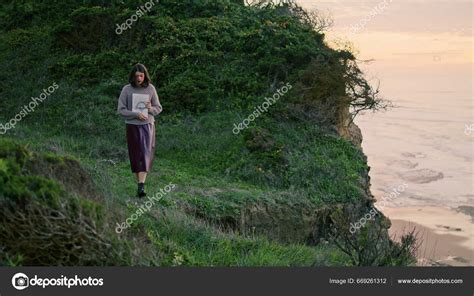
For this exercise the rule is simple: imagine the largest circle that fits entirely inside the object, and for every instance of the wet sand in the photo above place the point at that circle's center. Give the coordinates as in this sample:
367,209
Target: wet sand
447,235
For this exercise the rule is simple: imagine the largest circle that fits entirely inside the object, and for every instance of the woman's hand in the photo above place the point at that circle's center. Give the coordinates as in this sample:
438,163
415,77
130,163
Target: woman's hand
142,117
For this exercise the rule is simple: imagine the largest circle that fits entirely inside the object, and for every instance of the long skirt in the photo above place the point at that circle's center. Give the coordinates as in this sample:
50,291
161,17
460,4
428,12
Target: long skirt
141,146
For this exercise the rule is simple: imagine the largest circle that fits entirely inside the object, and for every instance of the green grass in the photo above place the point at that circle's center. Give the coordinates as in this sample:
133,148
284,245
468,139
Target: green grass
212,62
181,237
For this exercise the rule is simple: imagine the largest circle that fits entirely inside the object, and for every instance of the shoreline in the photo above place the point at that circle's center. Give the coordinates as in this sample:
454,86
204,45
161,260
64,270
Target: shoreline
444,242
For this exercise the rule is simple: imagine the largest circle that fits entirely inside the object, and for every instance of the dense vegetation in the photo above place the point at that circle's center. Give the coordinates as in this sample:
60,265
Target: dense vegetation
262,197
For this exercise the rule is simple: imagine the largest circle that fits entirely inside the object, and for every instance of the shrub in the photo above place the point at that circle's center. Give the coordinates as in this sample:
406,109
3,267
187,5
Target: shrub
371,245
42,224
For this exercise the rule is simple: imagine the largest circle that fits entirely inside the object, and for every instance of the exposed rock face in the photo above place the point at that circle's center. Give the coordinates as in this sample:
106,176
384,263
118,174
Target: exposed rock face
353,134
295,223
278,217
283,221
348,130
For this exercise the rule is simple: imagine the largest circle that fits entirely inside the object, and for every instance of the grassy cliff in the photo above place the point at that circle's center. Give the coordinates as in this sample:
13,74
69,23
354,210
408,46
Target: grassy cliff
269,195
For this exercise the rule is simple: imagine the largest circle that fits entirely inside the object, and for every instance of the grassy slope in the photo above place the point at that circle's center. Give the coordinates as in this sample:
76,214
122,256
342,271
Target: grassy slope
167,236
216,171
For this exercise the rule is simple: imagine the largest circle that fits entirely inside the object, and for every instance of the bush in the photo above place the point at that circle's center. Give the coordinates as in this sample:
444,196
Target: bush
42,224
371,245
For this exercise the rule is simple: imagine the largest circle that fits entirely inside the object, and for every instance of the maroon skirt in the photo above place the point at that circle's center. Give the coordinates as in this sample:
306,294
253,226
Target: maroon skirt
141,146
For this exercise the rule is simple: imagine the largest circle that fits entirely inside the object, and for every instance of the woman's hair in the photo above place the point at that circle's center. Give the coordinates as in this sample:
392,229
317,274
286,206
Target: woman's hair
142,69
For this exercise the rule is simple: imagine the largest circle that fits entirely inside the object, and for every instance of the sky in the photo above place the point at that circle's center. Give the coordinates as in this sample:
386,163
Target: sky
415,46
402,32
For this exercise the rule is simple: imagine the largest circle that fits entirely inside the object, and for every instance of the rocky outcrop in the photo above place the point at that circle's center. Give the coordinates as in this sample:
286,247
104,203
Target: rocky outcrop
276,217
347,129
297,223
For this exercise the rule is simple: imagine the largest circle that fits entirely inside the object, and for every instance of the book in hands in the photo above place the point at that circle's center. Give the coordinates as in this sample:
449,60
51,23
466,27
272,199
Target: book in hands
139,102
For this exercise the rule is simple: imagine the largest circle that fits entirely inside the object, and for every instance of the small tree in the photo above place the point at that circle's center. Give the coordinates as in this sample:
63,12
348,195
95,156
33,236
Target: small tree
371,245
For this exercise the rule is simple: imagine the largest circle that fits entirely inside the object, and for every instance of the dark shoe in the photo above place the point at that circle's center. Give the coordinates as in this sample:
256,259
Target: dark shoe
141,190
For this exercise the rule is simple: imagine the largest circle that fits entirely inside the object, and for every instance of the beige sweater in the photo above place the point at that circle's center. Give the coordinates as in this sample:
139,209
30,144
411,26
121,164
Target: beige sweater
125,104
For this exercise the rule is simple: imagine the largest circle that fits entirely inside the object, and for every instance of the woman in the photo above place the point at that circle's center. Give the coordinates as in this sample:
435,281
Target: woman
138,104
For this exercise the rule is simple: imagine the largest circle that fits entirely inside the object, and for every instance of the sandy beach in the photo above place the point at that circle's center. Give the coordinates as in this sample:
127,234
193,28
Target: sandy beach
446,234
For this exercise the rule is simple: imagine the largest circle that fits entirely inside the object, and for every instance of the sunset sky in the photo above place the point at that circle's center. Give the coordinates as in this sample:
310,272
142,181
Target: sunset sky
406,39
404,28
